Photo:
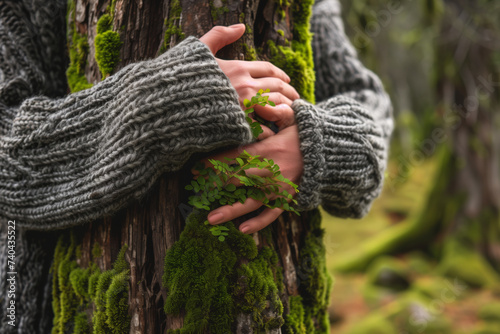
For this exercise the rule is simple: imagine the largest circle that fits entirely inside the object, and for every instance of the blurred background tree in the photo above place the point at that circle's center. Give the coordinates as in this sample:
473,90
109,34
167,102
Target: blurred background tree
440,210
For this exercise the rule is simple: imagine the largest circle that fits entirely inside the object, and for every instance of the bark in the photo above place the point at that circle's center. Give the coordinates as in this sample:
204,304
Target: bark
152,225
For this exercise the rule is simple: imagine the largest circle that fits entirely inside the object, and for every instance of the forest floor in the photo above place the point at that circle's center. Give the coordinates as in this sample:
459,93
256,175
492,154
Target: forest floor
424,302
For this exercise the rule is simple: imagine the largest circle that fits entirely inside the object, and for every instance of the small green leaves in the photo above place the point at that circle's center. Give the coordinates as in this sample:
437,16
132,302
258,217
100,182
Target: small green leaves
255,124
213,185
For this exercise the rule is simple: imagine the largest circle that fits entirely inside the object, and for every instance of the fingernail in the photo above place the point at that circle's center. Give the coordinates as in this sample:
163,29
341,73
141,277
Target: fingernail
244,229
235,25
215,218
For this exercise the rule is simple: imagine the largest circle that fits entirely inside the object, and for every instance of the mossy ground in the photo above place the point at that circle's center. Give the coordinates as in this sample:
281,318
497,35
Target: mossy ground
434,302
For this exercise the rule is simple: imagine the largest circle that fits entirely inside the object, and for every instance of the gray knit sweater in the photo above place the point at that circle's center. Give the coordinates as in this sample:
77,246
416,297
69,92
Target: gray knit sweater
68,160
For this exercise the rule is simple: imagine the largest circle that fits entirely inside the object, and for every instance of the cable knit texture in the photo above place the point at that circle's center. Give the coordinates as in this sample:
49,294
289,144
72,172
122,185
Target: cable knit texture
72,160
345,137
64,161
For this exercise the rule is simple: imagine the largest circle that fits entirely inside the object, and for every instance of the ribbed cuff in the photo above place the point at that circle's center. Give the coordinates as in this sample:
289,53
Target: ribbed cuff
310,126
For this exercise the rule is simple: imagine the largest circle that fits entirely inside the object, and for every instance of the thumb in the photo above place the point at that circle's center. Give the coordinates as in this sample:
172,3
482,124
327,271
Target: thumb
219,36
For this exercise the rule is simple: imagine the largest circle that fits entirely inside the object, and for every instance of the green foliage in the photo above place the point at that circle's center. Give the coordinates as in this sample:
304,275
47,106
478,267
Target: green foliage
75,289
214,186
200,275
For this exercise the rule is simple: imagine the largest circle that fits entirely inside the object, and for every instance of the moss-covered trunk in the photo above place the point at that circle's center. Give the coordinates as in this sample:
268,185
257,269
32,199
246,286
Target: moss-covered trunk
461,220
260,283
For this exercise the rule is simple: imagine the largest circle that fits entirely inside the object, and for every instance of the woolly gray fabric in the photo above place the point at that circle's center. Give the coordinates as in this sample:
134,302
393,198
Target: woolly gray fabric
73,159
344,138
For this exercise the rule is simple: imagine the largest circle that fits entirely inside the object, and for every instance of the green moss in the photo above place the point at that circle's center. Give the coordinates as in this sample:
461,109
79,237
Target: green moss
65,300
259,291
81,324
280,32
390,273
374,324
107,51
297,60
490,312
78,53
173,30
96,252
217,11
79,279
74,289
294,320
117,303
93,280
200,272
467,265
104,24
315,281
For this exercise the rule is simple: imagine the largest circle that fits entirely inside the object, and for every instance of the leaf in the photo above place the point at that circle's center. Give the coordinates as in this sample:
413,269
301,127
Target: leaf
188,187
223,228
221,238
247,103
230,187
272,104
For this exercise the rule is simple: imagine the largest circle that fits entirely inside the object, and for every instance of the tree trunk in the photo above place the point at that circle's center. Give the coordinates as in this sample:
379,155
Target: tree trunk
152,225
462,214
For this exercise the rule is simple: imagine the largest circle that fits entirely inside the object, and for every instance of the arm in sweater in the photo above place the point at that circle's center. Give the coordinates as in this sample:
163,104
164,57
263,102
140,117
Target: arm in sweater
345,137
70,160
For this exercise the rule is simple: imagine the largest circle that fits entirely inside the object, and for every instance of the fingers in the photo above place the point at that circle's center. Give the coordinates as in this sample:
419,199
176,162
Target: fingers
282,114
219,36
228,212
258,223
262,69
248,88
266,134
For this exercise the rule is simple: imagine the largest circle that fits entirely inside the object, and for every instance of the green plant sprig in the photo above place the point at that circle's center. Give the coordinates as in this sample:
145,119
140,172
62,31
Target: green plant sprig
262,101
213,184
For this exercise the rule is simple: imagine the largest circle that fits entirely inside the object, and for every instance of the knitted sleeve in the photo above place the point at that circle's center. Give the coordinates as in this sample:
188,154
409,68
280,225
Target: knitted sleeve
345,137
70,160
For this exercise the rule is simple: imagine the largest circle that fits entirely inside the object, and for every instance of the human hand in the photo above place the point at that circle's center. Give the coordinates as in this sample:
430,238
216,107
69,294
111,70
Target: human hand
284,149
247,77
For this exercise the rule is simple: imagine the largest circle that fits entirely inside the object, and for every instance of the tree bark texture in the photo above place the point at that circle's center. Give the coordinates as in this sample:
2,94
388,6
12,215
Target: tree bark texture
152,225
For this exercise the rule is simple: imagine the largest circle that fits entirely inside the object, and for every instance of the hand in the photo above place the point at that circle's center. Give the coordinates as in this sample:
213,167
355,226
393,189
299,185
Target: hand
284,149
247,77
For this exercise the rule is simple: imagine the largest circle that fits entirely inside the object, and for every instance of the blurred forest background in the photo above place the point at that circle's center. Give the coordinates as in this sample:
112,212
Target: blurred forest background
427,257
